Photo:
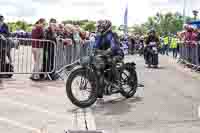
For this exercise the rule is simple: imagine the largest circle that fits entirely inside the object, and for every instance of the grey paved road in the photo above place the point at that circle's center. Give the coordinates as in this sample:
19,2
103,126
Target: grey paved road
28,107
169,103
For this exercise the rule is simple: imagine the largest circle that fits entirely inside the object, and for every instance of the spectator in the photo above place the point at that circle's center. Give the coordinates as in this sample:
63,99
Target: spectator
77,41
49,48
60,30
198,39
5,44
37,48
132,43
166,40
92,42
191,42
4,30
173,46
69,41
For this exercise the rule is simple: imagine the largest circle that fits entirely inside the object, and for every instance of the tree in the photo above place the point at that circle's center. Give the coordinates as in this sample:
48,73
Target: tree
165,23
89,26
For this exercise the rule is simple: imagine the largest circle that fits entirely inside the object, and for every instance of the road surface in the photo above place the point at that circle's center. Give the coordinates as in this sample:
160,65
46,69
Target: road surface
168,103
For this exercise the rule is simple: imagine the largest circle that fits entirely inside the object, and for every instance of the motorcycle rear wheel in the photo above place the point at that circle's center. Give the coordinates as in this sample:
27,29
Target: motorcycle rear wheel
128,78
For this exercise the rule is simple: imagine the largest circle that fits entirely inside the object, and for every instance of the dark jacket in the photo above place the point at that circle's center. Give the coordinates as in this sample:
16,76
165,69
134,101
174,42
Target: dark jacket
50,35
152,39
37,33
104,42
4,30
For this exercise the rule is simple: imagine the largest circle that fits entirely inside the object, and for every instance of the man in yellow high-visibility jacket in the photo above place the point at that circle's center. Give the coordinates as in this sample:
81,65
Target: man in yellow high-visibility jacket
166,40
174,46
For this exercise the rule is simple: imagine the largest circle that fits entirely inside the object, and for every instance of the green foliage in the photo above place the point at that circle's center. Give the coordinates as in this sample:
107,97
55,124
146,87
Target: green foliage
84,24
89,26
13,26
162,23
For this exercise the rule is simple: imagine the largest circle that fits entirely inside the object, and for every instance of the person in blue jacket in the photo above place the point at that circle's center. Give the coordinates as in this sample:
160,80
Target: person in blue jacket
106,39
4,30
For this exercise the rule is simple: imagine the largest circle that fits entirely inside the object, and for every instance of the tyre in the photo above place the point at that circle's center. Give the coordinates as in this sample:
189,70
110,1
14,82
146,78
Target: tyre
129,81
86,79
155,59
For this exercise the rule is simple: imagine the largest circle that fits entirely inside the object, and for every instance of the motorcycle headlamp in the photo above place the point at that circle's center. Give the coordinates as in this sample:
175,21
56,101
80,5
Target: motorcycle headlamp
1,18
98,62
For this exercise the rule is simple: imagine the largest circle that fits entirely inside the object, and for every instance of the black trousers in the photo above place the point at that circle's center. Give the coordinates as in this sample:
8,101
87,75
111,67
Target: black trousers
48,59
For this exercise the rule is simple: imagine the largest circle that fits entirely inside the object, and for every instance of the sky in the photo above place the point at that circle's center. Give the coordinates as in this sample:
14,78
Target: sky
139,10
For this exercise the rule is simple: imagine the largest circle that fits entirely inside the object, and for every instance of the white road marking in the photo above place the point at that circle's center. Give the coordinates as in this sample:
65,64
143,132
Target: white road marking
34,108
31,93
91,124
19,125
78,121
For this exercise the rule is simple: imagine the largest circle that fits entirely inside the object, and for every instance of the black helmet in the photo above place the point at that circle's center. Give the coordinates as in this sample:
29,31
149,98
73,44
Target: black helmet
152,31
104,26
1,17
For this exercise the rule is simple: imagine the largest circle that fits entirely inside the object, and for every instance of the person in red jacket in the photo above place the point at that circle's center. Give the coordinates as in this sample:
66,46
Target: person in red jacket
191,43
37,48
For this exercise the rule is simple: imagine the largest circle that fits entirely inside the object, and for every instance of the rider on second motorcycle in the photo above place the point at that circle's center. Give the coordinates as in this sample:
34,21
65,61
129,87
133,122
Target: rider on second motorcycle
152,37
107,41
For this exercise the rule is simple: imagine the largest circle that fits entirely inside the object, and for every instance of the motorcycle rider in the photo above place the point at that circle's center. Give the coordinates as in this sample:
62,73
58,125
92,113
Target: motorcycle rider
107,41
152,37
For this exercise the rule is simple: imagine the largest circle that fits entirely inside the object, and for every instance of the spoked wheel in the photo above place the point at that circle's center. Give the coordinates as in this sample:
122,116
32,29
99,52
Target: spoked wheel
129,81
81,88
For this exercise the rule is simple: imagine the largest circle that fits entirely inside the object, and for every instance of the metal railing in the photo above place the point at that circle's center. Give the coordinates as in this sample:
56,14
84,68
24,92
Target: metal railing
26,56
69,54
32,56
190,55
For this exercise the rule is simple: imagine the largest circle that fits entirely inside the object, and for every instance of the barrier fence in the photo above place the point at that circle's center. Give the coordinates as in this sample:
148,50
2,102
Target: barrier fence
190,55
32,56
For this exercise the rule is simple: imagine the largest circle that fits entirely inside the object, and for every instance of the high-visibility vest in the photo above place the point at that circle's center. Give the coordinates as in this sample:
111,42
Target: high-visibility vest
174,43
166,40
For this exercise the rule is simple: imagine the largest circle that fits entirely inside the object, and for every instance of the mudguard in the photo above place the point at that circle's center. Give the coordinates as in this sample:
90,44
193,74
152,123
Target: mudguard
131,65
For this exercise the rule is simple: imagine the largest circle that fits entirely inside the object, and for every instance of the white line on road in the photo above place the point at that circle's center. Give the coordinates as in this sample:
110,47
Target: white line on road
19,125
26,92
90,120
34,108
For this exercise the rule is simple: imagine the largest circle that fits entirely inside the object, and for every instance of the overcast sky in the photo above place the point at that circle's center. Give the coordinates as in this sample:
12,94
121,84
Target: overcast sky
139,10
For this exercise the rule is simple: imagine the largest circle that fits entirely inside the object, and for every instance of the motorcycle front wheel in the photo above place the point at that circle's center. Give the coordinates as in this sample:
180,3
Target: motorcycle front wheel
128,81
81,88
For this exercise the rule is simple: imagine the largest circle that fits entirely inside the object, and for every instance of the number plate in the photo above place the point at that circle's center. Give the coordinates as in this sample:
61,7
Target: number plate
152,43
154,48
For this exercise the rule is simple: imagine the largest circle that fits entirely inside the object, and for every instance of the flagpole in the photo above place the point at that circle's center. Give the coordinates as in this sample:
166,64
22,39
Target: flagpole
126,20
184,7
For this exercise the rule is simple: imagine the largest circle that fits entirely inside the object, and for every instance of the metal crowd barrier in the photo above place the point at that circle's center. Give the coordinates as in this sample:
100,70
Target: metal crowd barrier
190,56
27,56
32,56
69,54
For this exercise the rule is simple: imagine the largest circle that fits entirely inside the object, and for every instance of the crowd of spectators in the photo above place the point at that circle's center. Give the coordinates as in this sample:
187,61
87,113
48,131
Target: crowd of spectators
190,38
44,54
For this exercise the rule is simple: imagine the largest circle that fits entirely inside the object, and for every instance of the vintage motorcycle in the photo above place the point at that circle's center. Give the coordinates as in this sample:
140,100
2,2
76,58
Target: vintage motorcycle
103,74
152,58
